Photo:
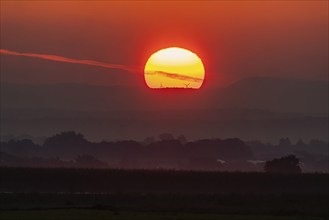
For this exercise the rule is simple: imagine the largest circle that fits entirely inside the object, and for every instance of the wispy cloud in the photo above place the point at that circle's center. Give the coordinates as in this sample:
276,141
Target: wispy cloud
69,60
175,76
100,64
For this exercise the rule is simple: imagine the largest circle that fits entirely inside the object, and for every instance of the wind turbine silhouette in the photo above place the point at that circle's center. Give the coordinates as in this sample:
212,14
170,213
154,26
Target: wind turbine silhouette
186,85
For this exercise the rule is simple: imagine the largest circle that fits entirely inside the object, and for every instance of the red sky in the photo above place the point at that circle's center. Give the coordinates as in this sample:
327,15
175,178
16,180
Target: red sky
235,39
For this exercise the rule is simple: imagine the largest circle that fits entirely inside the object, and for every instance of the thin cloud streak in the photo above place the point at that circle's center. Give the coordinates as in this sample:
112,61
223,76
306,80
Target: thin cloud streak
99,64
175,76
69,60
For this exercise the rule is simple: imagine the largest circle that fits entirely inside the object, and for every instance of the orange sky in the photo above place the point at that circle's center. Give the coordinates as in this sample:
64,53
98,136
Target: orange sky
234,39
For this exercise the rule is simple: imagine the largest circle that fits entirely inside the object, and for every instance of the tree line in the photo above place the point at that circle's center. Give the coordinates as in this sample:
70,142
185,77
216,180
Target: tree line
71,149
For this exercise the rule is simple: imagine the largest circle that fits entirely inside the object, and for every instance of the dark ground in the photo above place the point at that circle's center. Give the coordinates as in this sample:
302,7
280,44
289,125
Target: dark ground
140,194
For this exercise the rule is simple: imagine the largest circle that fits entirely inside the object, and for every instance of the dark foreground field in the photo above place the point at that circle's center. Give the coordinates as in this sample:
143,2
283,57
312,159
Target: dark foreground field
63,214
119,194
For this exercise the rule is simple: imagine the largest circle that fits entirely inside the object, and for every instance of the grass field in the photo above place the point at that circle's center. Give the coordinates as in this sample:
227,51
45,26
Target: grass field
55,180
71,214
158,194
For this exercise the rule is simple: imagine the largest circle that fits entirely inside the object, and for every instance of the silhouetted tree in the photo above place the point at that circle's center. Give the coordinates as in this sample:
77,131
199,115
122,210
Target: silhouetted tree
149,140
287,164
66,144
300,143
24,147
166,137
285,142
182,139
65,138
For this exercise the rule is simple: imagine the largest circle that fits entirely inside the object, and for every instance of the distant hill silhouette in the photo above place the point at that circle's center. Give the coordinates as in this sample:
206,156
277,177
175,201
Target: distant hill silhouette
254,108
278,94
274,94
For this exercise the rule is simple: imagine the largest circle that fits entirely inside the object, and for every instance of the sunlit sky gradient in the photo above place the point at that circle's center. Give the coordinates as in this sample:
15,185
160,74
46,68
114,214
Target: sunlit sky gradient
235,39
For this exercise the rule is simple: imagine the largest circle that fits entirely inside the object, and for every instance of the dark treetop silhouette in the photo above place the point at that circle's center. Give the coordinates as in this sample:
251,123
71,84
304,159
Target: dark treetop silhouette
70,149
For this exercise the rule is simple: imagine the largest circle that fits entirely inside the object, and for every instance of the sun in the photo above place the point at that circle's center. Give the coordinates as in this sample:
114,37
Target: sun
174,67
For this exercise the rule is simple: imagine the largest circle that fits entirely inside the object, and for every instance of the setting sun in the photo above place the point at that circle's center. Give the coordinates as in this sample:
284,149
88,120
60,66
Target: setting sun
174,68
